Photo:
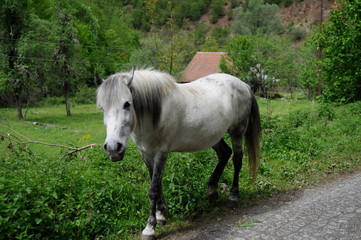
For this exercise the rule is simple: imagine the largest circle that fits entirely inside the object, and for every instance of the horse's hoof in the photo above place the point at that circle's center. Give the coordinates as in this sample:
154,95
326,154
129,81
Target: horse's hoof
232,202
161,222
148,237
212,198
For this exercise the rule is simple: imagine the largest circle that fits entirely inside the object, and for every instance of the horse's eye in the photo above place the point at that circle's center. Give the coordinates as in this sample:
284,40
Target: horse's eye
126,106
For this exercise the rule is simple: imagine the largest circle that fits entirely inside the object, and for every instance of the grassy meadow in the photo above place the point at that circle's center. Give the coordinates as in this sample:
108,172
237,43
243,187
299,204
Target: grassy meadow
51,195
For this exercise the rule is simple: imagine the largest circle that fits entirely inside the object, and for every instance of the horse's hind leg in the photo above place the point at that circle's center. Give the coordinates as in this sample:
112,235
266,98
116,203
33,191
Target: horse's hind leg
237,140
223,152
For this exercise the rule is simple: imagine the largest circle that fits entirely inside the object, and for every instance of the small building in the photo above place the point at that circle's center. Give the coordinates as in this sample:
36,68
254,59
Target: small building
202,64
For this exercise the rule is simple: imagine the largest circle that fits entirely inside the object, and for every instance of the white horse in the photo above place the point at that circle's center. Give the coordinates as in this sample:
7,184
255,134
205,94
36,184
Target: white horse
162,116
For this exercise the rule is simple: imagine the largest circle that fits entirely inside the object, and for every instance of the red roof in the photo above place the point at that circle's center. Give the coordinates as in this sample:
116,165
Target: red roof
202,64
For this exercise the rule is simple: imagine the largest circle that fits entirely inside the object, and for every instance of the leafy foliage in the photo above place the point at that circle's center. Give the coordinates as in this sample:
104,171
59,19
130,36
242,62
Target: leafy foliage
341,44
308,77
14,20
53,46
274,54
284,3
217,10
54,196
255,17
240,50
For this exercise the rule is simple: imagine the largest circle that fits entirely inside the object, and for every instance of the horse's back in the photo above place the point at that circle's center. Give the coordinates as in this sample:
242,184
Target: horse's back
222,80
221,86
204,110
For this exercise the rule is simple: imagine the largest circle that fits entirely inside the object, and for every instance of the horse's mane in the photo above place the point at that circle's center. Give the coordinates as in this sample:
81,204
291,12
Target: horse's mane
148,88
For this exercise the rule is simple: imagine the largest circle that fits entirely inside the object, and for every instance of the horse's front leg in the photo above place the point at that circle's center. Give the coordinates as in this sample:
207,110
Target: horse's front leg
162,209
155,194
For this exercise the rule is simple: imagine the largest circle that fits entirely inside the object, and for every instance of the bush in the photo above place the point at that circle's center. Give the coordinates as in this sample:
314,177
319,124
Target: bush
50,101
326,111
64,198
297,33
217,10
255,17
220,34
85,95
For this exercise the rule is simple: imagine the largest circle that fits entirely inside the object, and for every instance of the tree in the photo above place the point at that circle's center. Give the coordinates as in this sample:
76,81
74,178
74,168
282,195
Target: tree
221,34
240,56
217,10
257,17
14,16
32,49
308,79
151,12
211,45
67,66
341,44
270,55
278,58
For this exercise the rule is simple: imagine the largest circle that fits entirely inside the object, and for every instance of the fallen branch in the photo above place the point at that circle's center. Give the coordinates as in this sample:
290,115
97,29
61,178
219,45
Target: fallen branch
45,125
12,138
14,131
82,148
18,141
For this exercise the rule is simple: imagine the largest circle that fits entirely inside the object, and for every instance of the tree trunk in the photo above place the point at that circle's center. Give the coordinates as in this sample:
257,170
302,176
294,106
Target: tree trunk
27,109
20,112
66,92
67,105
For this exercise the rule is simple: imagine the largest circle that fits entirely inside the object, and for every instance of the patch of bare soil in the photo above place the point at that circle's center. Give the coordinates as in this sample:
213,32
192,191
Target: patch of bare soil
307,13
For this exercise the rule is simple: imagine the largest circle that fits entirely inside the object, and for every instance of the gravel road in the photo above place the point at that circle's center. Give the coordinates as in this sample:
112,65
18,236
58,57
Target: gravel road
329,211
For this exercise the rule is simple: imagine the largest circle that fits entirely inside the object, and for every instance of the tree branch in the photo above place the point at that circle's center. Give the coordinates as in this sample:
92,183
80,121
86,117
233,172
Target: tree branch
1,125
18,141
82,148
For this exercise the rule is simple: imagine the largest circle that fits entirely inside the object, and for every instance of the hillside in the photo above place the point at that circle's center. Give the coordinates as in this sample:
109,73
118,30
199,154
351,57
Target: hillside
304,14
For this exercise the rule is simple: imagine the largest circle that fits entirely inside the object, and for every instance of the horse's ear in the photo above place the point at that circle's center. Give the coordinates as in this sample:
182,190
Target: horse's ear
98,79
130,77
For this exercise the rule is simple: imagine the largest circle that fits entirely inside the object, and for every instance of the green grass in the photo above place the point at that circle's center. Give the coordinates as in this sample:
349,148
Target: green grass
85,126
55,196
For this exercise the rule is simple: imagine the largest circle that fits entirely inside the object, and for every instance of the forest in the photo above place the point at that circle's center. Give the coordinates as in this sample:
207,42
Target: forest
50,50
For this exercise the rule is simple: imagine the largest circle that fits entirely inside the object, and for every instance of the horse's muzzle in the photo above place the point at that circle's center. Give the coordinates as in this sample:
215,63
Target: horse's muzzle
116,157
116,154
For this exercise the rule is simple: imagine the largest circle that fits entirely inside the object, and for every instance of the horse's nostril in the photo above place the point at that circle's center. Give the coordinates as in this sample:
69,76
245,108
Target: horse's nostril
119,147
105,147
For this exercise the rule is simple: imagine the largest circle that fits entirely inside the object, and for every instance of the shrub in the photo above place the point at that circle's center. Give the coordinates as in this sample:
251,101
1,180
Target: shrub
297,33
85,95
220,34
326,111
256,16
50,101
217,10
64,198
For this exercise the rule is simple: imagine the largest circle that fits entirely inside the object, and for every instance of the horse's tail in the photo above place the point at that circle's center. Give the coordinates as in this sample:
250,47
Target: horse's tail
252,137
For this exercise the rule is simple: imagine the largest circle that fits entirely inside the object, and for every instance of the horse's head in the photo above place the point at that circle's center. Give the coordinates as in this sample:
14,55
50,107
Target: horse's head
115,99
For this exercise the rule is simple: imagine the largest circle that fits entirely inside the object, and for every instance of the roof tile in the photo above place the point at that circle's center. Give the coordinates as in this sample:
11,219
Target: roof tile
203,64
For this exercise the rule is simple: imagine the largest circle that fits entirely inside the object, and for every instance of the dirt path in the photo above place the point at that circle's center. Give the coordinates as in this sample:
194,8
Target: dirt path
328,211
